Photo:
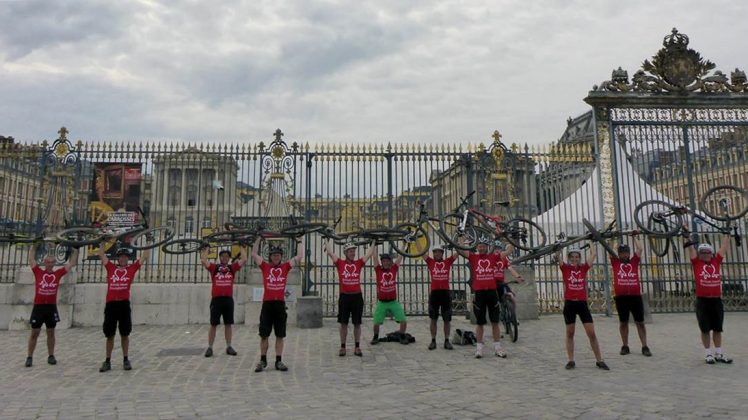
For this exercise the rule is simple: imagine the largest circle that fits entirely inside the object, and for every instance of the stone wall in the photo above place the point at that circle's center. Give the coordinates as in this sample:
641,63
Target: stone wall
152,303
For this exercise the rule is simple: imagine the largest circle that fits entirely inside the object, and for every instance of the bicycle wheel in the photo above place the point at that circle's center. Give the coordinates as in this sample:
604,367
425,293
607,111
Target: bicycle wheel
14,238
661,212
523,234
151,238
349,237
79,236
383,234
406,246
599,239
657,243
231,236
183,246
512,325
724,203
452,234
303,229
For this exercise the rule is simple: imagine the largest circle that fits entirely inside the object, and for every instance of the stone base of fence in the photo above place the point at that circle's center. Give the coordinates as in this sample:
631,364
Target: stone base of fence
647,309
152,303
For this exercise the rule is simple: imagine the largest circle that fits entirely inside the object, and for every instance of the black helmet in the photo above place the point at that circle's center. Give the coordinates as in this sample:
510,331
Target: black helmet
123,251
383,257
275,250
623,248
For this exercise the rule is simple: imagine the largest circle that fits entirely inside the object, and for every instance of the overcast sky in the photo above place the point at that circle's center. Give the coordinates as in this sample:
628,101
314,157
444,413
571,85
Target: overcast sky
402,71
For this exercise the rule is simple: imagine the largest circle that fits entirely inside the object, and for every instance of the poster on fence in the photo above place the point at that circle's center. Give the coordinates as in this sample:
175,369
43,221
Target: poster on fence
115,198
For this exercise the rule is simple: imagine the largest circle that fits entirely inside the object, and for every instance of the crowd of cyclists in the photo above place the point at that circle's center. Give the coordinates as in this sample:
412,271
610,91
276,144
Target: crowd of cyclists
489,285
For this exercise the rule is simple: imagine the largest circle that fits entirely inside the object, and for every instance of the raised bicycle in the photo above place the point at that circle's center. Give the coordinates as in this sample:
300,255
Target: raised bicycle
121,226
562,241
522,233
662,220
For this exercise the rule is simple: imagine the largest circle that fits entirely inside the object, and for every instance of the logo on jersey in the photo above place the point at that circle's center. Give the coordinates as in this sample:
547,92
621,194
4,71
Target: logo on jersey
223,275
120,276
48,284
120,279
576,280
276,279
710,276
388,282
484,265
440,267
350,274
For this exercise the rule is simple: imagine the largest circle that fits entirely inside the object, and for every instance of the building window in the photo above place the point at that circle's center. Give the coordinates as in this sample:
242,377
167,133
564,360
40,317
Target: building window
175,187
206,222
191,178
208,176
171,222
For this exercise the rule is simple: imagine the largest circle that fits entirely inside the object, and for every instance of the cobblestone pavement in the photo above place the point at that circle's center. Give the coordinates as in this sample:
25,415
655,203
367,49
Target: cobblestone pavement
390,381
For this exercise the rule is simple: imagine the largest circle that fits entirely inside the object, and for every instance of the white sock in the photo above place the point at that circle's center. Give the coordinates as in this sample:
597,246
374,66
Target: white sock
480,346
497,345
718,350
708,352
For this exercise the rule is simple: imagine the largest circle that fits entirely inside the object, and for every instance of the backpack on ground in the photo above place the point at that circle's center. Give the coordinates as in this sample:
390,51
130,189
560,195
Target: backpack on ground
464,338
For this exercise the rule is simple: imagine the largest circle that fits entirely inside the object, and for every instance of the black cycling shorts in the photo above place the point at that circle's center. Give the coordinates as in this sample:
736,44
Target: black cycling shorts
117,313
44,314
486,300
273,317
440,301
572,308
710,313
350,306
222,306
633,305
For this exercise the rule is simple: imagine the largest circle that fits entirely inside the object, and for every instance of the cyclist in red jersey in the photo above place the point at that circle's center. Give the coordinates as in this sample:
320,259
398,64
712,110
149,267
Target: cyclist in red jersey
710,311
351,300
273,314
386,272
575,303
628,294
222,294
46,283
440,299
118,311
485,296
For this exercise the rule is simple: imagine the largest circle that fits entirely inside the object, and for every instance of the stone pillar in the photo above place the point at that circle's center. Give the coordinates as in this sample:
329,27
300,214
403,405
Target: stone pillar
525,293
607,183
309,312
605,164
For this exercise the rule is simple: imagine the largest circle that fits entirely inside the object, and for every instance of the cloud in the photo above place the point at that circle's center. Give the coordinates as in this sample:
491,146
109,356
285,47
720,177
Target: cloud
32,25
443,71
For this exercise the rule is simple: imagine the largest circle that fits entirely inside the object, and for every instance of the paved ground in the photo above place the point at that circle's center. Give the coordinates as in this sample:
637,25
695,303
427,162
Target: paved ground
391,380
